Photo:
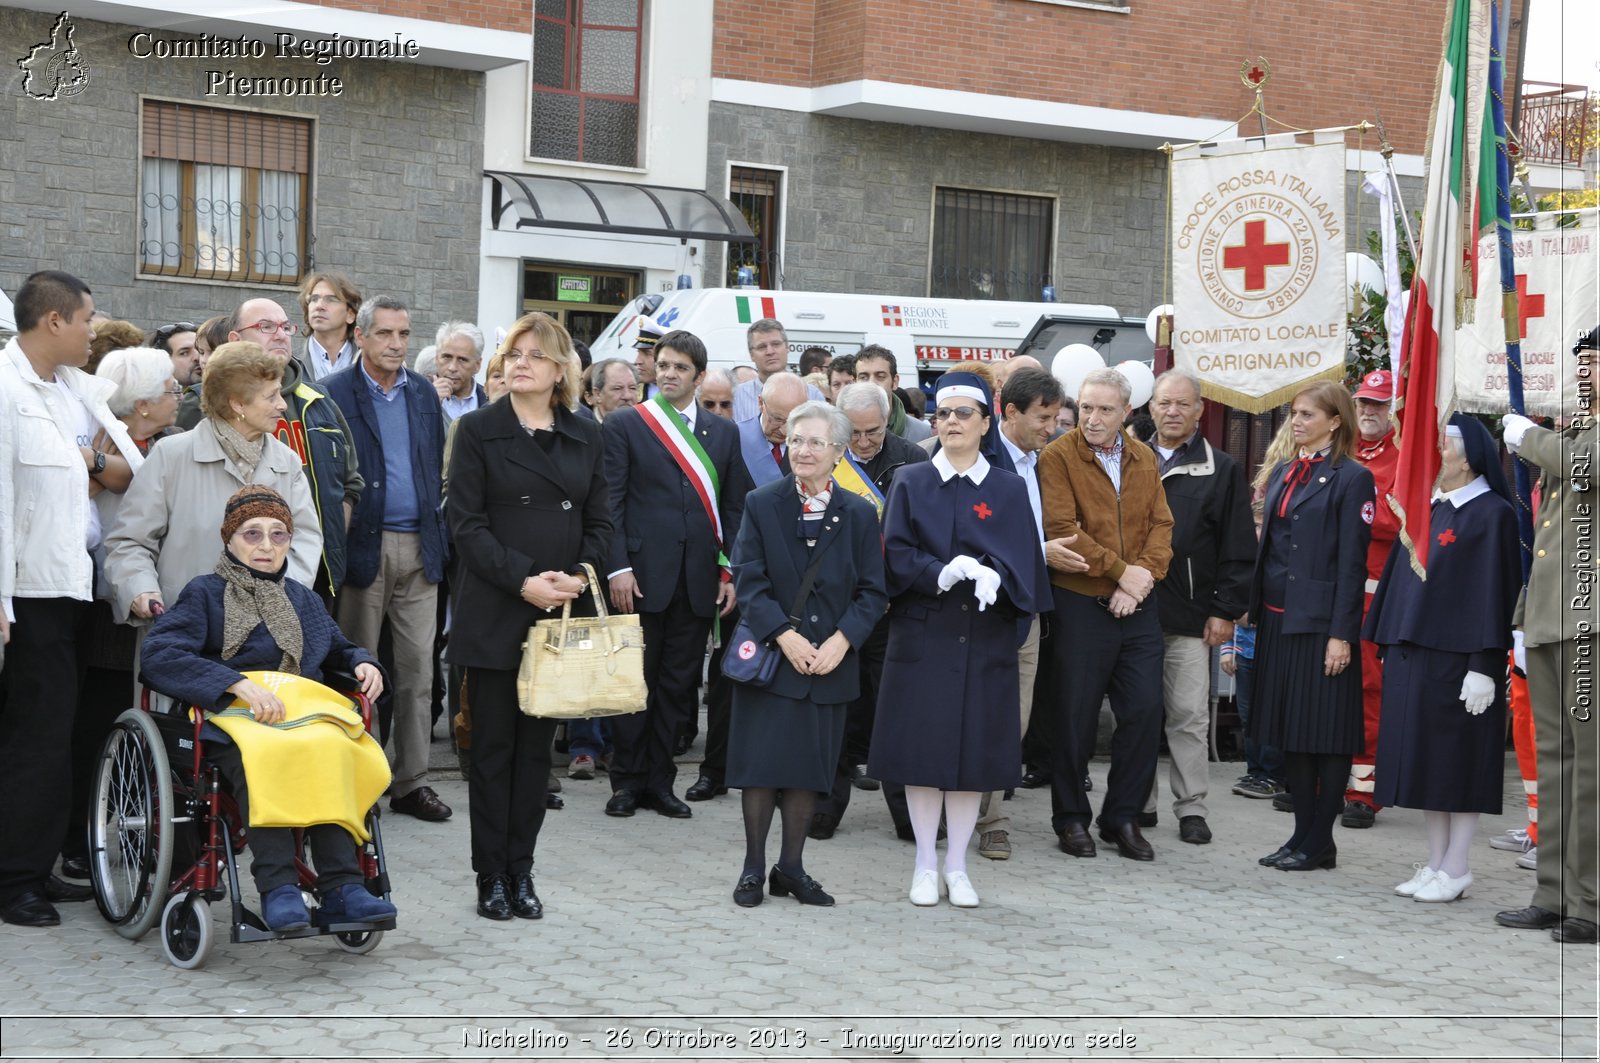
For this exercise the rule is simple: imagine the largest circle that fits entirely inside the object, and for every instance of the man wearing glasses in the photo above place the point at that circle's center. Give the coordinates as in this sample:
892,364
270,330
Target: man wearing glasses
328,302
716,393
315,429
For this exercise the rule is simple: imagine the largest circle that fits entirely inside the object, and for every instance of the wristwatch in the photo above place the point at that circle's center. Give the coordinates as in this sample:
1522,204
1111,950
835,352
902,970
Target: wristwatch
99,462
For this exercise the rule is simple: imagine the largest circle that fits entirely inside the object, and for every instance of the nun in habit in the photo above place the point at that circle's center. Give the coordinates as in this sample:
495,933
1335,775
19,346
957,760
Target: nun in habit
965,576
1443,642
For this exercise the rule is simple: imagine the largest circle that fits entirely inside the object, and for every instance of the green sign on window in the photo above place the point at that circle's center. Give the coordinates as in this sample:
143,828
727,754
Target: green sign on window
572,289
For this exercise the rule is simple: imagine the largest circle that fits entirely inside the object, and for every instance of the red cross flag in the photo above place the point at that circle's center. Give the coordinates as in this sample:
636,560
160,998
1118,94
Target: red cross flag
1258,284
1558,299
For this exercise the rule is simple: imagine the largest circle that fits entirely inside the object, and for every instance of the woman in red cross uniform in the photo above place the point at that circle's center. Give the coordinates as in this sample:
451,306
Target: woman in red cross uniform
965,576
1306,598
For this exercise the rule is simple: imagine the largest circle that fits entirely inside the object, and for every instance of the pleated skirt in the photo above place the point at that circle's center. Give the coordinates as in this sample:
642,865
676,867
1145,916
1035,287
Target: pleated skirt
1295,707
1432,753
779,742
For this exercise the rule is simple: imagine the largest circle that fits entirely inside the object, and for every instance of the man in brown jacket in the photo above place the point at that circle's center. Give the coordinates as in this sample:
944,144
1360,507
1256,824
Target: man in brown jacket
1100,484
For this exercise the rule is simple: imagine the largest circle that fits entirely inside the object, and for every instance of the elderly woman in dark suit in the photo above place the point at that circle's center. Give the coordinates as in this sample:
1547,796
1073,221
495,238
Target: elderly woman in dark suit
1310,581
527,507
786,736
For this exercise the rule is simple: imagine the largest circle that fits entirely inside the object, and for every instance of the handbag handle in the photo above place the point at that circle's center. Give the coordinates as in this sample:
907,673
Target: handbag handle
600,608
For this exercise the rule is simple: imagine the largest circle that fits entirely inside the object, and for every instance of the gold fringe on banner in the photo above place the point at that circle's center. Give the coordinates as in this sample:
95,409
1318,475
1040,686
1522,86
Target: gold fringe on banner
1270,401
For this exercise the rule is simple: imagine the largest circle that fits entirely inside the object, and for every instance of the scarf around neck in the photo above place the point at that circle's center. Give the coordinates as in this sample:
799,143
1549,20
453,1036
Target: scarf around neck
241,452
251,598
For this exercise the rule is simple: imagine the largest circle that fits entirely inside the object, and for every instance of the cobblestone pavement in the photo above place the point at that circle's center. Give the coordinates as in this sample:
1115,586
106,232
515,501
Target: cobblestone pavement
642,954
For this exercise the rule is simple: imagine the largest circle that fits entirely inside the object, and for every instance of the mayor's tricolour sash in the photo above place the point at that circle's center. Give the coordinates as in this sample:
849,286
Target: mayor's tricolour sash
669,427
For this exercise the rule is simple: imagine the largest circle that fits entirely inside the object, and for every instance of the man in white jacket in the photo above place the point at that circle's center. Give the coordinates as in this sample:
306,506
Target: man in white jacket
59,446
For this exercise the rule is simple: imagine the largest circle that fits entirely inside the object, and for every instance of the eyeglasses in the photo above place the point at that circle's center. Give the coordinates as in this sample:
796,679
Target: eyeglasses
253,536
960,413
166,332
526,356
269,328
175,390
323,300
813,445
716,404
868,433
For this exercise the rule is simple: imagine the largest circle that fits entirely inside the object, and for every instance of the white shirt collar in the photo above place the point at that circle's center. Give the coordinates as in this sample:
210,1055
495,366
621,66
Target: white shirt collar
1019,456
688,413
1465,493
979,470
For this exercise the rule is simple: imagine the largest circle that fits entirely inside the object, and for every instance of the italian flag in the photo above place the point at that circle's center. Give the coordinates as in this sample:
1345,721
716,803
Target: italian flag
1442,286
753,308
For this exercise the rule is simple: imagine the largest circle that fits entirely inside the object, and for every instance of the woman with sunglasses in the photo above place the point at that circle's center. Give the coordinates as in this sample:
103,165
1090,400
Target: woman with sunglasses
965,576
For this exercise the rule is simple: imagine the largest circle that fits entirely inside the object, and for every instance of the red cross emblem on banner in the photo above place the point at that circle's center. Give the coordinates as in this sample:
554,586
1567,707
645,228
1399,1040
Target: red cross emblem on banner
1447,537
1528,306
891,316
982,510
1255,255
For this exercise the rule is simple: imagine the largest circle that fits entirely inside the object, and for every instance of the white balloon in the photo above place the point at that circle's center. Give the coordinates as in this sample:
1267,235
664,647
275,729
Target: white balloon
1150,322
1074,362
1140,379
1360,271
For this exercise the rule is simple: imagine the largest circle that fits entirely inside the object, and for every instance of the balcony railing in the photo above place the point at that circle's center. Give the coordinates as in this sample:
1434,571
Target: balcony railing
1557,123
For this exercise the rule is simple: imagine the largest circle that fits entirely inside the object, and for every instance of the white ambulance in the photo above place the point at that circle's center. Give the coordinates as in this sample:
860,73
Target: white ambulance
927,336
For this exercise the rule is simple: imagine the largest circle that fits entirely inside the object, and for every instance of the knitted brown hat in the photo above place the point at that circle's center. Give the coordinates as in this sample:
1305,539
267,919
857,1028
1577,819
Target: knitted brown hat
252,501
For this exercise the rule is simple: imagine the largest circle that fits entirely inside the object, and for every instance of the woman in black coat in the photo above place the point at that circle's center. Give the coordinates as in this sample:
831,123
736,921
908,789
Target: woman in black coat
786,736
1310,582
527,507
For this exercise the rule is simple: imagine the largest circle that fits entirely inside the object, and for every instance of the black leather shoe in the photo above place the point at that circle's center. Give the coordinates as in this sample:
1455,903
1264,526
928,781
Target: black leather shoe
1272,858
422,803
860,779
1088,783
823,826
904,832
623,803
1283,802
75,867
1147,820
29,908
1193,829
666,803
1034,778
61,891
747,894
1075,841
704,789
804,889
1326,860
1530,918
1129,842
681,744
1358,815
494,897
1575,931
525,903
554,802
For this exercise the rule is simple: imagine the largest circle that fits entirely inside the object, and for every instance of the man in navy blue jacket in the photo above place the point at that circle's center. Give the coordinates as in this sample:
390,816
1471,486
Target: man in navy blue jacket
396,544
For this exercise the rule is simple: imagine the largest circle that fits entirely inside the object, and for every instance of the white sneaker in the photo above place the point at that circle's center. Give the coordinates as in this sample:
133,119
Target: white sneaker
1529,859
1410,886
1512,841
1443,888
962,895
925,889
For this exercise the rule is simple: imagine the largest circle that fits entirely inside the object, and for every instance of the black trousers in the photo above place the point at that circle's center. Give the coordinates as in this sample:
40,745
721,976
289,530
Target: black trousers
333,850
719,708
674,647
38,703
508,775
1099,655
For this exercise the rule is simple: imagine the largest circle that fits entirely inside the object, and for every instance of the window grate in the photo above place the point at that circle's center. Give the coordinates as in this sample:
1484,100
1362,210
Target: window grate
990,245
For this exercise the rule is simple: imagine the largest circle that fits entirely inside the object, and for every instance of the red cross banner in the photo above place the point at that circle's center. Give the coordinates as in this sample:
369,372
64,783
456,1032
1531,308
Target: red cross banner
1558,299
1258,268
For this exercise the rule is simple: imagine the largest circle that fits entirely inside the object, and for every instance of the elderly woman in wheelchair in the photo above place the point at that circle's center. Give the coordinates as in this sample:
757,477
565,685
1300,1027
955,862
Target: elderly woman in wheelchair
234,640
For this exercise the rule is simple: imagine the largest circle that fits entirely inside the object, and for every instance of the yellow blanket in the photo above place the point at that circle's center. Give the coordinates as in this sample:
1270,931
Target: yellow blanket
318,766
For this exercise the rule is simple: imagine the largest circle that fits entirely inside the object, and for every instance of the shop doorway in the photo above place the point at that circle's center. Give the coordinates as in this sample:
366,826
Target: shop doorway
582,298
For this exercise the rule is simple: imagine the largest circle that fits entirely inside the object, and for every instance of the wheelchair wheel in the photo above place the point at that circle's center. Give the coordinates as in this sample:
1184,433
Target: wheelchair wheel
130,825
359,942
186,930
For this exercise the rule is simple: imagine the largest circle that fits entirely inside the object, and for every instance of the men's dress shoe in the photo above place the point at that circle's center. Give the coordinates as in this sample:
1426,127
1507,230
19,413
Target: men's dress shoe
704,789
1272,859
925,889
422,803
1034,778
354,903
1326,860
1410,886
1529,861
1283,802
494,897
860,779
1075,841
1193,829
822,827
30,908
747,894
1129,842
666,803
554,802
75,867
284,909
1358,815
995,845
525,903
1530,918
623,803
60,891
1146,820
581,767
1088,783
681,744
1575,931
1441,887
958,887
904,831
802,888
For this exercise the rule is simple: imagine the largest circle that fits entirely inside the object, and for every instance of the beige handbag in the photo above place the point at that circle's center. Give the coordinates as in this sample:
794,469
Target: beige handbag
575,668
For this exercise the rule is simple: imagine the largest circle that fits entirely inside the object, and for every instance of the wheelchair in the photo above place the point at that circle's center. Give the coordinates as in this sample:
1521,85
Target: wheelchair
165,834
